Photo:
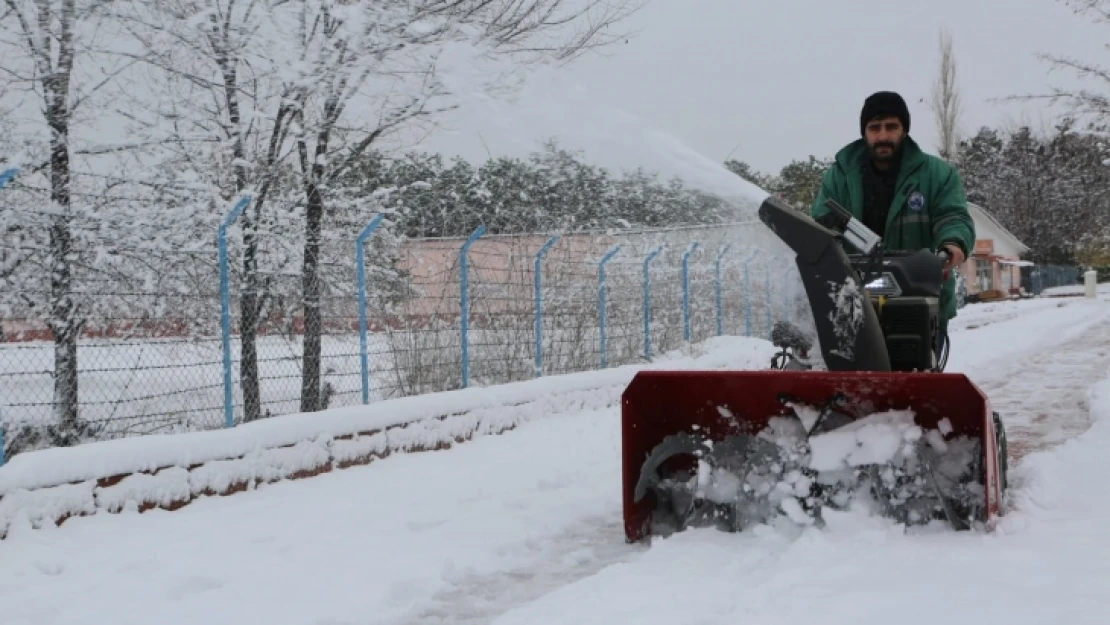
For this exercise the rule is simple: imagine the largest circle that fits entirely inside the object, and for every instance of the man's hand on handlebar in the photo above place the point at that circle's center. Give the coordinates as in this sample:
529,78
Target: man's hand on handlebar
953,257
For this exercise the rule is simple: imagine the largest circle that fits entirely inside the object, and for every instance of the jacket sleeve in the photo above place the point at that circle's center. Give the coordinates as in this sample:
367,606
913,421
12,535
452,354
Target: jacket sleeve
951,220
827,190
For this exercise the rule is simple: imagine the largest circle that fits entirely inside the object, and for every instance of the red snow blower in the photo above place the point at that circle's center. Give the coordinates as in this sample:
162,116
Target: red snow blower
882,428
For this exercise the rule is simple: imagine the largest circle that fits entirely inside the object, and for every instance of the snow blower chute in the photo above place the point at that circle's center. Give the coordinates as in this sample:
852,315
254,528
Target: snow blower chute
882,426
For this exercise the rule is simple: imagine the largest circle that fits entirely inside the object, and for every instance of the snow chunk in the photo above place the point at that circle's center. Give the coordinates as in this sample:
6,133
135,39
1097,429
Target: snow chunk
945,426
936,440
808,414
720,487
875,439
794,511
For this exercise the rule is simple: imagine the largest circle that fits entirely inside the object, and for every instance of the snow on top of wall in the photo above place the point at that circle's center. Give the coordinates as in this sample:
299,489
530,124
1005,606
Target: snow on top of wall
64,465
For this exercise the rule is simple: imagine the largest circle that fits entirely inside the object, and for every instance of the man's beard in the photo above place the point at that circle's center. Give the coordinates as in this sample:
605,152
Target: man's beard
890,157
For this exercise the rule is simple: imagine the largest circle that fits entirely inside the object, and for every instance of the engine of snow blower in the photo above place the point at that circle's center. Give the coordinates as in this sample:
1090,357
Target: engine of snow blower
903,289
883,427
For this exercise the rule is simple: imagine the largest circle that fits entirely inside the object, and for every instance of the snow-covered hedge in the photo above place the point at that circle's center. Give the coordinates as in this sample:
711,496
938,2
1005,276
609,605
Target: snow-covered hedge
168,472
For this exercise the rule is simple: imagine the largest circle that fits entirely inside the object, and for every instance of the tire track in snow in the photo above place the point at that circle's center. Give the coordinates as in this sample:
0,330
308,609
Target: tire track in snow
552,562
1042,399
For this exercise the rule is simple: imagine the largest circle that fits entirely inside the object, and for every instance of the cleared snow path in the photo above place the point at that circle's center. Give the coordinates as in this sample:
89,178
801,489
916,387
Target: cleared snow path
1043,401
1035,362
588,547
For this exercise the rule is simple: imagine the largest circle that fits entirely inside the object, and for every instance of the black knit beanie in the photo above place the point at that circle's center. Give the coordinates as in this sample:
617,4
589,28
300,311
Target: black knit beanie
884,103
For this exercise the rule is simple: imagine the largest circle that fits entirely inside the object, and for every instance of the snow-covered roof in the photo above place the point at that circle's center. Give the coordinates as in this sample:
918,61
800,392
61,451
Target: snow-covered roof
978,213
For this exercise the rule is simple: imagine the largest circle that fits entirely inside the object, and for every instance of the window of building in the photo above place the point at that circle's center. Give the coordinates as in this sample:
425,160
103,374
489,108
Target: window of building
983,274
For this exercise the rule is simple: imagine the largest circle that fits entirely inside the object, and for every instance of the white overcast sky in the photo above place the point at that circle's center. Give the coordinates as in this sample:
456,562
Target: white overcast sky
782,79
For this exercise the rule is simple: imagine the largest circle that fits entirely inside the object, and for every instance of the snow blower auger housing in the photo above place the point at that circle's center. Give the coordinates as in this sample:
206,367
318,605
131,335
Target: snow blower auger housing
883,427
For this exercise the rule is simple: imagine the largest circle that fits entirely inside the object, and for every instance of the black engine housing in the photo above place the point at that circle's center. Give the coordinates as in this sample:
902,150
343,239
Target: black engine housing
895,329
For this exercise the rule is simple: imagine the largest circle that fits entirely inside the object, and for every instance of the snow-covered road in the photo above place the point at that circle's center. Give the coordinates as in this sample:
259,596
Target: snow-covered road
525,527
1034,360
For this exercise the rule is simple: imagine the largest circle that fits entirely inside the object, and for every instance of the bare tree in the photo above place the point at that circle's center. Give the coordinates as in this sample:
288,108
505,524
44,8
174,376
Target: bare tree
285,97
1087,105
1088,108
341,51
382,57
45,47
946,102
227,119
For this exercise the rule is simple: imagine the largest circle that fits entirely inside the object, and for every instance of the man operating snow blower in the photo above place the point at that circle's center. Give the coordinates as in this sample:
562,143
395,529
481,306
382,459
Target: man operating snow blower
736,449
911,199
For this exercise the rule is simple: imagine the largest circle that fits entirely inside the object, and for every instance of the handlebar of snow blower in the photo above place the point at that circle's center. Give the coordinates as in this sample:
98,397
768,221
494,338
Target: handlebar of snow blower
866,240
860,236
947,256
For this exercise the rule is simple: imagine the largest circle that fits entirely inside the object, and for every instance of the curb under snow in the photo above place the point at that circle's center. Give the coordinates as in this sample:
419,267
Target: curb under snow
170,471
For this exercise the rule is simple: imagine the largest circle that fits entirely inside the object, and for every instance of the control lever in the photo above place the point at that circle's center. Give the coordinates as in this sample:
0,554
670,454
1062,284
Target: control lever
946,256
863,238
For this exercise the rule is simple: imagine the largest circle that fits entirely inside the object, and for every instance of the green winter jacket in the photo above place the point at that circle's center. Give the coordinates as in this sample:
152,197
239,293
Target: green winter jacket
929,207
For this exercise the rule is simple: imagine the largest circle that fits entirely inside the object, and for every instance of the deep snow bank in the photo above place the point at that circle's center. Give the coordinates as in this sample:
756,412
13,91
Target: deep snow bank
169,471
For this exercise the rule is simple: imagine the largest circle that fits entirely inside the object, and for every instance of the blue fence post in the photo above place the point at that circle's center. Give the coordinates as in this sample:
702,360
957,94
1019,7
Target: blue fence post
686,290
464,302
717,273
537,298
647,300
602,298
7,175
360,271
225,305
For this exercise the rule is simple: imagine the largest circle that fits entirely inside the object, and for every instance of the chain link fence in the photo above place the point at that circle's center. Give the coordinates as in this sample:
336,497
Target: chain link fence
212,334
1038,278
153,356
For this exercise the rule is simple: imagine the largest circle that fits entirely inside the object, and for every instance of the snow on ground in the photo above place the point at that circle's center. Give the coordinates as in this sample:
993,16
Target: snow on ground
364,545
1064,347
1103,288
1067,349
1045,564
525,527
984,333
